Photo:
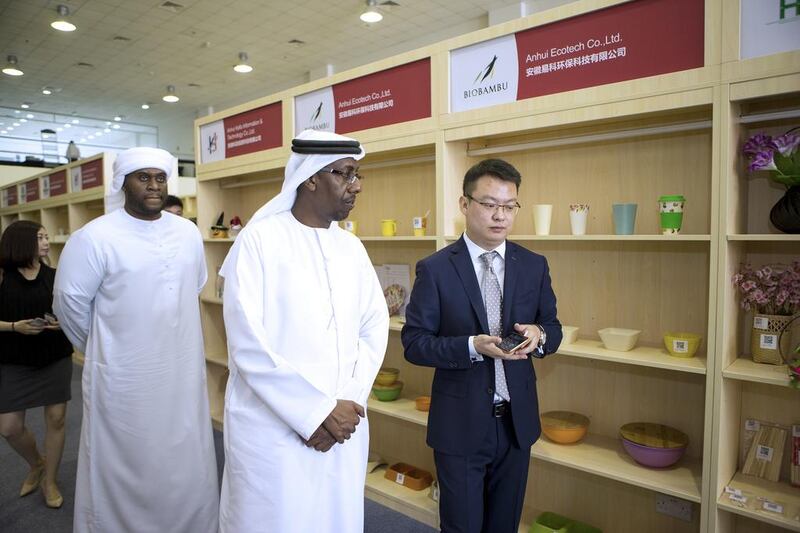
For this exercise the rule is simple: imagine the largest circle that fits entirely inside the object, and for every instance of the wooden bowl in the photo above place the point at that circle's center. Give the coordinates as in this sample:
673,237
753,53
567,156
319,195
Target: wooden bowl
564,427
653,445
423,403
409,476
386,376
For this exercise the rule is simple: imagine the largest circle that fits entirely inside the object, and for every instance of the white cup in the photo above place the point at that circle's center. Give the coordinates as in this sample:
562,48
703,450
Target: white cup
578,214
542,214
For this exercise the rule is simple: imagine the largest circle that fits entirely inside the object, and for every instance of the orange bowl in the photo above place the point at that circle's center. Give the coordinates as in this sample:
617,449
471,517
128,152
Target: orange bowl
423,403
564,427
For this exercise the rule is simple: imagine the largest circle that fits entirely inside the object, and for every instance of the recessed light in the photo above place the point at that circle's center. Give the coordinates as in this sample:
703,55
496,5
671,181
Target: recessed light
76,121
61,23
23,120
25,105
91,136
145,106
83,140
59,129
107,130
115,126
17,111
29,115
47,91
117,118
3,132
16,124
67,125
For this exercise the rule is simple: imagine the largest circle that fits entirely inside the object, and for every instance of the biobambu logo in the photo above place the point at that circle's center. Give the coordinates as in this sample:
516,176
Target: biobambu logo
485,73
315,116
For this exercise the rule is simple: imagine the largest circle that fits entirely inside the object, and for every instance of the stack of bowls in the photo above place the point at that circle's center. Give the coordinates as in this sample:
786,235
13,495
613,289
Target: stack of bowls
387,387
653,445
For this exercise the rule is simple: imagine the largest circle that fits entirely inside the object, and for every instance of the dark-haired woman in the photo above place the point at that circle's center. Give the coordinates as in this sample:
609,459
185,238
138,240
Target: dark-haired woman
35,363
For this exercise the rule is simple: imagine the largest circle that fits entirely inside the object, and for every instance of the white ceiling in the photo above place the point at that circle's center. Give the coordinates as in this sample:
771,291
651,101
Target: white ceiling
198,45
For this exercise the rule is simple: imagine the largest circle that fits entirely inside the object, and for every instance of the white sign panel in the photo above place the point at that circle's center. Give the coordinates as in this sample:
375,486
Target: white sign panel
4,198
484,74
769,27
315,110
22,193
77,182
45,186
212,142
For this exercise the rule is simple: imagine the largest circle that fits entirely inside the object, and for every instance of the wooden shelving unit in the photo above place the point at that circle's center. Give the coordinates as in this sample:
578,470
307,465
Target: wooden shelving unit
578,147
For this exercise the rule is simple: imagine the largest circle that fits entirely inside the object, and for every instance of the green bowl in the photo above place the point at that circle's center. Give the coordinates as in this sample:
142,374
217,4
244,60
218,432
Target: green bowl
388,393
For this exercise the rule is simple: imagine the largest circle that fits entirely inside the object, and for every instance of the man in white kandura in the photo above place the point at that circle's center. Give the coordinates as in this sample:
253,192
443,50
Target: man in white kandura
126,295
307,329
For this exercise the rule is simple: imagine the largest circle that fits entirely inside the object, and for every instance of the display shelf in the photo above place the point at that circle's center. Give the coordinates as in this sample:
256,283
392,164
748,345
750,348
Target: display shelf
59,239
415,504
745,369
401,408
397,238
78,358
605,457
216,420
213,300
764,237
396,323
640,355
755,488
226,240
656,238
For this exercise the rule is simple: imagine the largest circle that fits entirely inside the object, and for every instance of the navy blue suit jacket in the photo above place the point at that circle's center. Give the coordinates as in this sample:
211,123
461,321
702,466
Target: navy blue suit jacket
446,308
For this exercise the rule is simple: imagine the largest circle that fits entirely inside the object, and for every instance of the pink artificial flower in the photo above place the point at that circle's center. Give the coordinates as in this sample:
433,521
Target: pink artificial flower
748,285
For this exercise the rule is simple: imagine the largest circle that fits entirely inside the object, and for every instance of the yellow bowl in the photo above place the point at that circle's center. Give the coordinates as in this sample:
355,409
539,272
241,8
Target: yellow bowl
386,376
681,344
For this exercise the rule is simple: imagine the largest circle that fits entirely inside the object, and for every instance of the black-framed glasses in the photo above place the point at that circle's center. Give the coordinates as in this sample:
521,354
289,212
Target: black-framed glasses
508,209
348,177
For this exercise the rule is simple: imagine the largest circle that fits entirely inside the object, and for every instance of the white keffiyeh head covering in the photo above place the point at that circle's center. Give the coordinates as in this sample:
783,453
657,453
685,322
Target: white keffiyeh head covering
135,159
310,155
302,166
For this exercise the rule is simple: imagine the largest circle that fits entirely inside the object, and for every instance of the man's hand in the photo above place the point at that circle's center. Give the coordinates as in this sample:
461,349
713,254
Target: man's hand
321,440
528,330
27,327
344,418
488,345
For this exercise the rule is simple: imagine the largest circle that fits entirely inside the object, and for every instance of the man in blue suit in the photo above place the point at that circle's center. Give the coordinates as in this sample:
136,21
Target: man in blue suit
484,414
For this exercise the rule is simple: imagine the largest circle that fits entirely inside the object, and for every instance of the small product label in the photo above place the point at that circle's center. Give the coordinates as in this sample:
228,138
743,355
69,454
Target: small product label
768,342
738,498
400,479
764,453
772,507
731,490
761,322
679,346
752,425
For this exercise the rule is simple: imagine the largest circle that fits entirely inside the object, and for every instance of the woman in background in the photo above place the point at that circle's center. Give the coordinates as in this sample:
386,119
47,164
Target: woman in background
35,363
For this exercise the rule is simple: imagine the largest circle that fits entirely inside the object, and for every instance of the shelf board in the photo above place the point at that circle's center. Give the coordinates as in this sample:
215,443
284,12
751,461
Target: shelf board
395,323
599,237
766,237
217,359
430,238
415,504
401,408
216,420
745,369
211,300
753,487
640,355
598,455
59,239
226,240
78,358
605,457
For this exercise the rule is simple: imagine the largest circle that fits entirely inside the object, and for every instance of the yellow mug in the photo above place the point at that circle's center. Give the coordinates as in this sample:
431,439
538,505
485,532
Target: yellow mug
388,227
351,226
419,224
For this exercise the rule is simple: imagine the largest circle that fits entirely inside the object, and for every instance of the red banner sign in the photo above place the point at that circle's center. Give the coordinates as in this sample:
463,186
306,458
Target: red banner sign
254,130
390,96
32,190
624,42
58,183
12,196
91,174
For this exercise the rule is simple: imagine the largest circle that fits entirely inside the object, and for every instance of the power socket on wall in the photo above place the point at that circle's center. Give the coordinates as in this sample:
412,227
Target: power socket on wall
675,507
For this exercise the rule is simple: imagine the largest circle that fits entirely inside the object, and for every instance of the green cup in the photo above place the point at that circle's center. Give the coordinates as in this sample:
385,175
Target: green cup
671,208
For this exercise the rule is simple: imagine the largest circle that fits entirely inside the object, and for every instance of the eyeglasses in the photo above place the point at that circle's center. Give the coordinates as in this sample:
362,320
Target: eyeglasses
493,208
348,177
144,177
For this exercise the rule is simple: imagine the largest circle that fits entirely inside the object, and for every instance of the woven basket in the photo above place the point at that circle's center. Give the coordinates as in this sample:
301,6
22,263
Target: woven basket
766,343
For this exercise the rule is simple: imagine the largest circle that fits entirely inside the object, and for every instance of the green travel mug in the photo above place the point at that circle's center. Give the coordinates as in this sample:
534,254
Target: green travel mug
671,208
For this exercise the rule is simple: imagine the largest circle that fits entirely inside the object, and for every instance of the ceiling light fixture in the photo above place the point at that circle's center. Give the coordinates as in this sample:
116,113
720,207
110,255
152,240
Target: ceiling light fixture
117,118
145,106
115,126
47,91
29,115
67,125
371,13
106,130
170,97
242,67
75,121
26,105
61,23
11,67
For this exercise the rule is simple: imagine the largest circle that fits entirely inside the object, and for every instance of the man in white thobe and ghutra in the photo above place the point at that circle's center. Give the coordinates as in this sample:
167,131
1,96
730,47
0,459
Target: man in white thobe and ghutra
126,294
307,327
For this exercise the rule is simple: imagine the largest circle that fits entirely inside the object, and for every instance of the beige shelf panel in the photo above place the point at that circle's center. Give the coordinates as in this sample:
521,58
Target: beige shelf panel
746,369
753,487
78,358
605,457
227,240
397,238
213,300
415,504
396,323
641,355
764,237
216,420
598,455
656,238
217,359
59,239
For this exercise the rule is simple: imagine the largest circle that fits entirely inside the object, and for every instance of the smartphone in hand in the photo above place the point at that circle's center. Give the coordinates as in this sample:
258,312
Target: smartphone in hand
38,322
513,342
51,318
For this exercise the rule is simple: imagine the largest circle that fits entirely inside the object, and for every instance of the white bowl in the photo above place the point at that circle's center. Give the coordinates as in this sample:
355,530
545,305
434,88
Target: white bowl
570,334
619,339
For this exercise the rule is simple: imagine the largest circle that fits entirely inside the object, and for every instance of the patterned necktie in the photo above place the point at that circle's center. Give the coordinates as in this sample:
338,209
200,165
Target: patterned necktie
493,301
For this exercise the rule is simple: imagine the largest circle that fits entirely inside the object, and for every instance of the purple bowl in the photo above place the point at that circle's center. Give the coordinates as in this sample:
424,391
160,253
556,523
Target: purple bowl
653,457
